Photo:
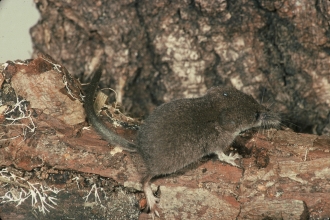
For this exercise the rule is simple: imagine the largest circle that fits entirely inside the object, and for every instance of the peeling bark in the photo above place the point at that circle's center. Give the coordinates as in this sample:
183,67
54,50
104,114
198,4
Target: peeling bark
291,183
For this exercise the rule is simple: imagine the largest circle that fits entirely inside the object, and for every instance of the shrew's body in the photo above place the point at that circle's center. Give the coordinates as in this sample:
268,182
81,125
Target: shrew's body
180,132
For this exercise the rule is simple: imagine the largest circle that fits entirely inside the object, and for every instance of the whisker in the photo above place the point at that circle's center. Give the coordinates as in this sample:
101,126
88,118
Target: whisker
287,122
268,107
291,123
262,96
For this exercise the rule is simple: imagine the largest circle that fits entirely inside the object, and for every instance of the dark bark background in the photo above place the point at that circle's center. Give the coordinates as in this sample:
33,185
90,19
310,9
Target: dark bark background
154,52
157,51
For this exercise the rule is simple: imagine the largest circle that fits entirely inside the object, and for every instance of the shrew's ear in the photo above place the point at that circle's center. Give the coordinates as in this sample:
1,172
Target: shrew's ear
226,118
226,122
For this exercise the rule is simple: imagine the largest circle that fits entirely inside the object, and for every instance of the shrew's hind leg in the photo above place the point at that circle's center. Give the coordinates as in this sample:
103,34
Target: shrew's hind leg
151,199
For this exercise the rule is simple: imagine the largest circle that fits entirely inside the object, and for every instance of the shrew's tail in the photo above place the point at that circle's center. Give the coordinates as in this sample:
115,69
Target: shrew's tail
96,122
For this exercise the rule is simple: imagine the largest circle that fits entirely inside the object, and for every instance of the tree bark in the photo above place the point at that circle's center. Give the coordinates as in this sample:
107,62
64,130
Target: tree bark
283,175
154,52
157,51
